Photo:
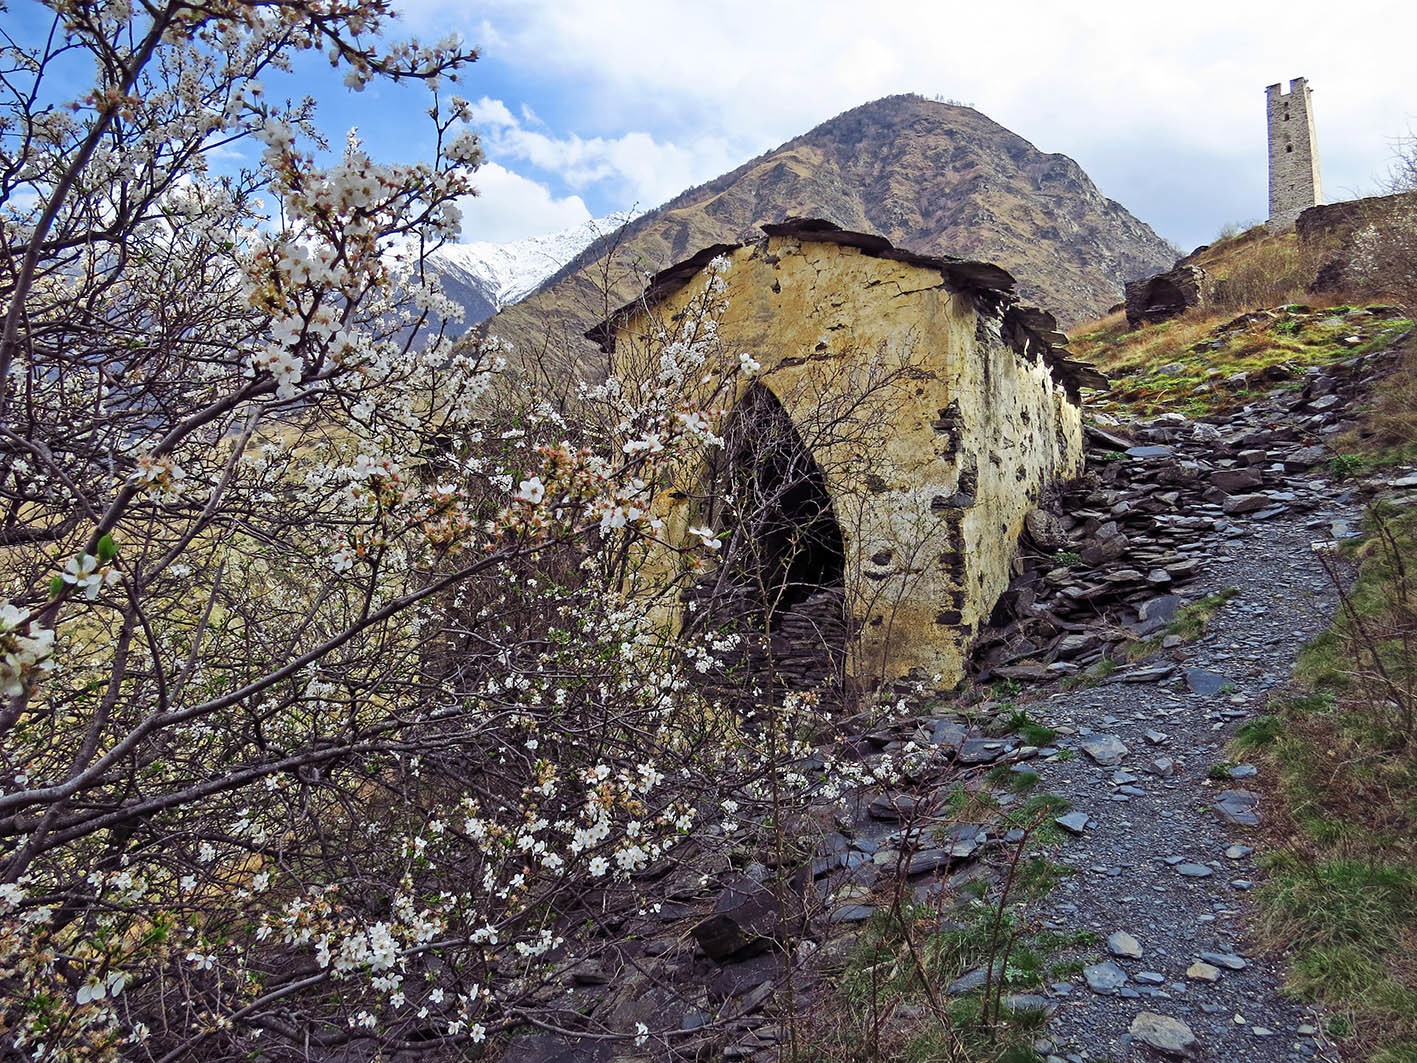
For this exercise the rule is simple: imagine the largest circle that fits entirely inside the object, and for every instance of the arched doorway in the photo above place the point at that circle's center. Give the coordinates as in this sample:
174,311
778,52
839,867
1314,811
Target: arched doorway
786,542
781,581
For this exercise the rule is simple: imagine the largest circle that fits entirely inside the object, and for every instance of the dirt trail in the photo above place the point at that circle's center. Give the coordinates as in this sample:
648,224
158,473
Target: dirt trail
1156,859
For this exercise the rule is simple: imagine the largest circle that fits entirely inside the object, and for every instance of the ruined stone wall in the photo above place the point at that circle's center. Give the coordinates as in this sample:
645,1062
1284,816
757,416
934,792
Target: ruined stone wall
930,508
1294,183
1328,234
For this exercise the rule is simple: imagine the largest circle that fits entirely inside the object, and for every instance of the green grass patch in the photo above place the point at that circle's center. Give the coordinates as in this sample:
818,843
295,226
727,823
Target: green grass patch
1092,675
1191,620
1019,722
1215,362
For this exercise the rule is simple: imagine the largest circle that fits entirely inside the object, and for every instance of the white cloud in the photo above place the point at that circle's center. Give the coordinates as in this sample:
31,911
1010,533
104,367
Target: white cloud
491,114
510,207
635,168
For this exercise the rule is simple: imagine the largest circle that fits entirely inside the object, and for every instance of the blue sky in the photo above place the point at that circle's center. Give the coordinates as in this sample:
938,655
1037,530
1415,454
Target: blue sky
590,107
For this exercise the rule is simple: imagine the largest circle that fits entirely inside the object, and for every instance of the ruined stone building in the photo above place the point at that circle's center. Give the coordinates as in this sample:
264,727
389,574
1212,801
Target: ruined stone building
1166,295
1294,183
907,416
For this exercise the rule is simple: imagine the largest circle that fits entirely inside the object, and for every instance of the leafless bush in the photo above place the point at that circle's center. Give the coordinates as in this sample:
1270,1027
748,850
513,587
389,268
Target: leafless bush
1269,273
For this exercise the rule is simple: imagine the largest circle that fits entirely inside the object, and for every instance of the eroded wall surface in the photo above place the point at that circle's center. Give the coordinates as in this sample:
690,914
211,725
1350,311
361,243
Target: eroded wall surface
930,476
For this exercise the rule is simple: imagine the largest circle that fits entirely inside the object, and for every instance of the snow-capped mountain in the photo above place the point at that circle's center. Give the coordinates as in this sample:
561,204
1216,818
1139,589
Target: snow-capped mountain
484,277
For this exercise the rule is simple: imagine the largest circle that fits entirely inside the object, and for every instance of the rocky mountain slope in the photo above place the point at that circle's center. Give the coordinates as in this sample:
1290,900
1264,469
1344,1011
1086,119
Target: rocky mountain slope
931,177
484,276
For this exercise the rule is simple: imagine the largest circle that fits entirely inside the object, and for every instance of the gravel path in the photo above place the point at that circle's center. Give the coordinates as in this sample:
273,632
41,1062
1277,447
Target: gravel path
1156,860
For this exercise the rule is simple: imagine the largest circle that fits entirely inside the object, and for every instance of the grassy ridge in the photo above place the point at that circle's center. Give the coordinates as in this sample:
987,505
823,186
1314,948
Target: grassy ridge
1205,363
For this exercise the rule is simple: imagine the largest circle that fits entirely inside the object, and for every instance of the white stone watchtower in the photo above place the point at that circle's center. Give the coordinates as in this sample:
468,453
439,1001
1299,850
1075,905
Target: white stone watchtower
1293,154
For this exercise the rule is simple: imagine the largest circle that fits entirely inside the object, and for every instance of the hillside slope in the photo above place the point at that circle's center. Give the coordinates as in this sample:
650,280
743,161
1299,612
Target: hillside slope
931,177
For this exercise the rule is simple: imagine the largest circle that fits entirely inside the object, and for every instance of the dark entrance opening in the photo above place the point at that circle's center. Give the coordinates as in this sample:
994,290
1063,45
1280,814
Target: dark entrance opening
786,545
1163,300
782,580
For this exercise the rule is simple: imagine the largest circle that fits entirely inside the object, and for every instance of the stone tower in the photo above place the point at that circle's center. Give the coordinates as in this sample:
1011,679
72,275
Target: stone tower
1293,153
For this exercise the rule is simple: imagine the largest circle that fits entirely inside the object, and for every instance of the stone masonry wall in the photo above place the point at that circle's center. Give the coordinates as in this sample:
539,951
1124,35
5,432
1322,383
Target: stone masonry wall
1294,183
931,515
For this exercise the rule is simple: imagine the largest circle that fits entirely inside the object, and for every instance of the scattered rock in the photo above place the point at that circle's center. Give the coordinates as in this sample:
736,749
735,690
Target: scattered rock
1238,504
1104,978
1194,870
1165,1034
894,806
1203,972
1106,750
1238,806
1205,682
1123,944
1233,480
1149,452
1162,766
1228,960
1076,822
746,919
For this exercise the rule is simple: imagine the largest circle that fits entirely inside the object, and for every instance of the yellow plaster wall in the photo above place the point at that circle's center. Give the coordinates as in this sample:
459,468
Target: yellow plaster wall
957,454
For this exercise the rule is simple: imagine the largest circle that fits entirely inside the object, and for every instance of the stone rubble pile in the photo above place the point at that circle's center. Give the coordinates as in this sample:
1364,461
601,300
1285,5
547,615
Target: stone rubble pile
1107,555
805,649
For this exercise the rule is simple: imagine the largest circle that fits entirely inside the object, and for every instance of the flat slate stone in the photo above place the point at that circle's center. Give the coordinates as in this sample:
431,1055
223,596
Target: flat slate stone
1237,504
961,842
852,913
1238,806
1236,480
1163,766
980,750
1106,750
893,806
1152,673
1149,452
1228,960
1205,682
1104,978
1076,822
1203,972
947,733
1165,1034
1194,870
1123,944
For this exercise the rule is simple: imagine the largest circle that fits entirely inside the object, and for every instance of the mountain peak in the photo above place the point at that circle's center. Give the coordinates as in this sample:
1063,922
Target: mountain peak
931,177
486,276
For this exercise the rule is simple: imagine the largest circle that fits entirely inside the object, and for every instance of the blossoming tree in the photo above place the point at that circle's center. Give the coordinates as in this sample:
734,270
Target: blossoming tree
251,502
325,714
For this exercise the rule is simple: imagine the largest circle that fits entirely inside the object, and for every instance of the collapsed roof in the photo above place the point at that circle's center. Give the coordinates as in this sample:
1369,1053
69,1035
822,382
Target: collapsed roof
1031,331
